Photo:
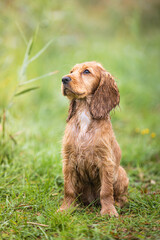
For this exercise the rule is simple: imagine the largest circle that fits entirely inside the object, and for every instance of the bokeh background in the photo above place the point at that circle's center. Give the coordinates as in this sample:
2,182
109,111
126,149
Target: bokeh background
124,37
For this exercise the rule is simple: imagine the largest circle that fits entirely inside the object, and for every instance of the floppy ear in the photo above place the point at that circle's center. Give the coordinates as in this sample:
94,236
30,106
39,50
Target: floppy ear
72,110
105,98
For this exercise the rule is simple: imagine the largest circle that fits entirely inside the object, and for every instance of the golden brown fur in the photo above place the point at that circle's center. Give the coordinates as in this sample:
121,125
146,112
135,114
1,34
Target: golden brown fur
91,154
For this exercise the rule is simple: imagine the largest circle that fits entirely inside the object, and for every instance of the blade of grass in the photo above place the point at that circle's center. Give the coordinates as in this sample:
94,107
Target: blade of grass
35,34
38,224
41,51
3,123
25,61
25,91
46,237
37,78
21,33
13,139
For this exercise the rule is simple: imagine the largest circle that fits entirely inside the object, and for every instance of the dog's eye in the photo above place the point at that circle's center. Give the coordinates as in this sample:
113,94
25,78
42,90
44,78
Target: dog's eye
86,71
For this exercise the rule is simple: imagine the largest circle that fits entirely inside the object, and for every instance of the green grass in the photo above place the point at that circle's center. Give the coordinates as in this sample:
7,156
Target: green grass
31,180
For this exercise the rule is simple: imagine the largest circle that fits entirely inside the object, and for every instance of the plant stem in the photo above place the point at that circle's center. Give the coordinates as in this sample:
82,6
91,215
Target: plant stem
3,123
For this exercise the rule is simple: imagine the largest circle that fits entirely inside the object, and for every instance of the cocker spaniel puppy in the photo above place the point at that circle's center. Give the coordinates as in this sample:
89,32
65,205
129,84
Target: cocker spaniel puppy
91,154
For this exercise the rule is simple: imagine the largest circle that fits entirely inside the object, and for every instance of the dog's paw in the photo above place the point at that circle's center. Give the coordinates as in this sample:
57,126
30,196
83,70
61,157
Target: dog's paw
110,210
60,210
64,208
68,207
121,202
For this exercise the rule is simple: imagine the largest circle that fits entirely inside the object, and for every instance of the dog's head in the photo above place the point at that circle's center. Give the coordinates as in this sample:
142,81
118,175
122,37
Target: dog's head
91,79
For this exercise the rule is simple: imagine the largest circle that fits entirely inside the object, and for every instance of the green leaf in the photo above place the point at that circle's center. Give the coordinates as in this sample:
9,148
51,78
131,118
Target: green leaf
37,78
25,91
25,61
21,32
41,51
41,219
35,34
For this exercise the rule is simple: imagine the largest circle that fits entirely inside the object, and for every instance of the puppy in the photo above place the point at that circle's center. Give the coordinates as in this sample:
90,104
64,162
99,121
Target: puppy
91,154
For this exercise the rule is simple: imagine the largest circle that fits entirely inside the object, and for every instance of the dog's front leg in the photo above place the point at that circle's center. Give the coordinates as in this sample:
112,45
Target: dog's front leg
69,191
106,193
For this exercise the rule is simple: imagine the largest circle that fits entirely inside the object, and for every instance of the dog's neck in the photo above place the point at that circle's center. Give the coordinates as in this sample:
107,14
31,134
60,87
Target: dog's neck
83,115
83,105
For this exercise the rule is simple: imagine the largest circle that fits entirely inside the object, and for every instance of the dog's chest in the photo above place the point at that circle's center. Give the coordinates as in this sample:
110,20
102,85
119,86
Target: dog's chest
83,120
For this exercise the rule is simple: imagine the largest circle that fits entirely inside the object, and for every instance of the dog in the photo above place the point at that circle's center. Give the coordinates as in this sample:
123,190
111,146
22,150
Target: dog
91,154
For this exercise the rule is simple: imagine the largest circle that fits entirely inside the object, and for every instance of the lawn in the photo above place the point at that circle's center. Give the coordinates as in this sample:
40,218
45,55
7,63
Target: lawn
31,180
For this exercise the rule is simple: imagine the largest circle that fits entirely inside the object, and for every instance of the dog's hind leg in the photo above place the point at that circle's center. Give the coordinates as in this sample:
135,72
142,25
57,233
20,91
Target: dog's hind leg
121,187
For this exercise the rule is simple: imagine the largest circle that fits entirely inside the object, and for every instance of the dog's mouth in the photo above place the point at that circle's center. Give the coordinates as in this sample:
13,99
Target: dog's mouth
67,91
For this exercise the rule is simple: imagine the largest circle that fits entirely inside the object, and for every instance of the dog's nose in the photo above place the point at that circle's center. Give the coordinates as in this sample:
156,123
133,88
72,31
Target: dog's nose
66,79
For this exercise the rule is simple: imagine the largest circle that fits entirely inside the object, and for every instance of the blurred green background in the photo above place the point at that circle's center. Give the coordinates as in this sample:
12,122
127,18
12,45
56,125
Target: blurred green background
124,37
